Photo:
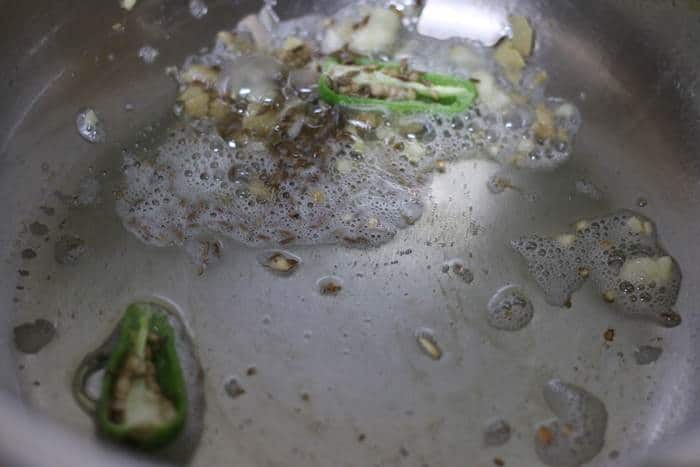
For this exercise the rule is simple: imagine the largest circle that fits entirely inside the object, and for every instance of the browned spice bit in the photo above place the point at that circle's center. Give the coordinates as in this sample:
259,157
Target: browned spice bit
545,435
609,335
583,272
329,286
251,371
499,462
440,165
305,396
361,437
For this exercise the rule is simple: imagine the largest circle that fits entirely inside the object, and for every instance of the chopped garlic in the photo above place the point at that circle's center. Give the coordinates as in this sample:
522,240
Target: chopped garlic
637,226
645,270
544,126
127,4
523,35
565,111
581,225
566,239
258,189
318,197
511,60
414,151
378,34
219,109
540,78
372,223
200,74
335,39
196,101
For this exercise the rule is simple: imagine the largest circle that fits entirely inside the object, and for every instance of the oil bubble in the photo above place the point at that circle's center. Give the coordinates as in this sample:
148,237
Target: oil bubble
646,354
457,268
90,127
577,435
329,285
509,309
497,433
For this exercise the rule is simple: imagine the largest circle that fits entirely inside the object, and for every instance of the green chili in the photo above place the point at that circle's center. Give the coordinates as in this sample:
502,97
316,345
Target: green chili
143,399
394,87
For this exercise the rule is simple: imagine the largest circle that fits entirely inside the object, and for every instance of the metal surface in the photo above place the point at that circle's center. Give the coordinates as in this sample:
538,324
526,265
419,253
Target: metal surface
374,398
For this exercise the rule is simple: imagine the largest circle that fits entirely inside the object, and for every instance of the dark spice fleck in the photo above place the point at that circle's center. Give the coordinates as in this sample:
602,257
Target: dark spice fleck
38,229
251,371
28,253
609,335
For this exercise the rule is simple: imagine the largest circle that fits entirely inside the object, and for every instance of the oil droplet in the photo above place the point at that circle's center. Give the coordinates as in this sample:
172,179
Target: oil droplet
497,184
646,354
497,433
330,285
233,388
457,268
578,433
509,309
428,344
90,126
32,337
68,249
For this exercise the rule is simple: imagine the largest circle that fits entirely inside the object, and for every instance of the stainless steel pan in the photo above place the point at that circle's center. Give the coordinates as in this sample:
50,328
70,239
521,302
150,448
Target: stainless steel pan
374,399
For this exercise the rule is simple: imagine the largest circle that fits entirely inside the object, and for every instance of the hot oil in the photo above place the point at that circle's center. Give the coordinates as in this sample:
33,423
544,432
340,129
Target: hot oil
373,392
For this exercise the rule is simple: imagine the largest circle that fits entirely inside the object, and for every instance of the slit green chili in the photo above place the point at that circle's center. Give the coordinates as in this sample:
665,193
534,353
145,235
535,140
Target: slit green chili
391,86
143,399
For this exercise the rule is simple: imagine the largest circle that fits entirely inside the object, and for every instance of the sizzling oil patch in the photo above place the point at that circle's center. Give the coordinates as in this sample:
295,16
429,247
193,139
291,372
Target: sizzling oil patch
578,433
260,158
620,252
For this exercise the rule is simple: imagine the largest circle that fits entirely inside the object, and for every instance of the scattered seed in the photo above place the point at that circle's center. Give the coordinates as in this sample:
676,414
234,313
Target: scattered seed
428,344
